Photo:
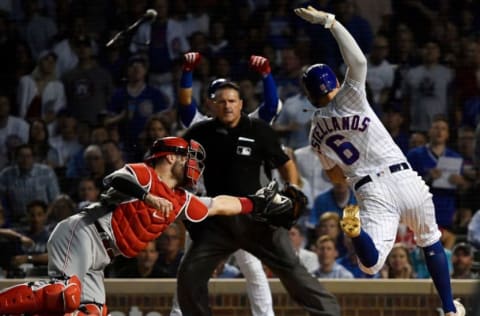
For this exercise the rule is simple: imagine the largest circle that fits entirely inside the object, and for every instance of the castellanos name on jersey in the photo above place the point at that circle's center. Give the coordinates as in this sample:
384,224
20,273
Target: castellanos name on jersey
347,129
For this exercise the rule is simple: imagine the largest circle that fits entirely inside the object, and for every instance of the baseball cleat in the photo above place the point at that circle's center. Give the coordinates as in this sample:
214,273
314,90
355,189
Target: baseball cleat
459,307
350,222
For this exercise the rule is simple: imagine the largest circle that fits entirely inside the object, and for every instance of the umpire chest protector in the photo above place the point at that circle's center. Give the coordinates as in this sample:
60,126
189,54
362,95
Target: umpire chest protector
234,155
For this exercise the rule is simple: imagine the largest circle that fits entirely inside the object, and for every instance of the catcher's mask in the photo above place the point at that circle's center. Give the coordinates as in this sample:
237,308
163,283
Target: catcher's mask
176,145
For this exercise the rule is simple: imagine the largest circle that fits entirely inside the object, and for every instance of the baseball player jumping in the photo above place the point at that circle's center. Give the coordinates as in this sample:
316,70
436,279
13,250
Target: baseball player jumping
142,200
351,141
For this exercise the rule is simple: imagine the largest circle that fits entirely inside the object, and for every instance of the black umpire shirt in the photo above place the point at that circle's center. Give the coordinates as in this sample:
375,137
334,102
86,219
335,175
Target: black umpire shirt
234,155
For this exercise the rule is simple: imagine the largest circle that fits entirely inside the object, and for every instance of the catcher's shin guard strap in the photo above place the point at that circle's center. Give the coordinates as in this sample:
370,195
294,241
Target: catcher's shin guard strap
91,309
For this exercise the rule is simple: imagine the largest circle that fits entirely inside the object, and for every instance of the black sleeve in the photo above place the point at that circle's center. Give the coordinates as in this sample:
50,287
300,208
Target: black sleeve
270,142
125,185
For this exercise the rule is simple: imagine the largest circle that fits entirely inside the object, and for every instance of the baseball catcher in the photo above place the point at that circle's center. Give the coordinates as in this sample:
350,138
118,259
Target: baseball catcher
142,200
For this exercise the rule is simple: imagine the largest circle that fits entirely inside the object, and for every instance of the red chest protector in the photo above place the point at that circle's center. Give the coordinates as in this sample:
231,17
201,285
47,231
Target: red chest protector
135,224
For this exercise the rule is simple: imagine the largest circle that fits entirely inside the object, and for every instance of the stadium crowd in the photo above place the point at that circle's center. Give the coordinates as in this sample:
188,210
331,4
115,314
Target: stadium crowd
73,110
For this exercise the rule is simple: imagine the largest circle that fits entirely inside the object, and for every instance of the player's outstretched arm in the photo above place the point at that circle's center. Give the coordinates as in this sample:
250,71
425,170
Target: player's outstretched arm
228,205
187,106
351,52
272,104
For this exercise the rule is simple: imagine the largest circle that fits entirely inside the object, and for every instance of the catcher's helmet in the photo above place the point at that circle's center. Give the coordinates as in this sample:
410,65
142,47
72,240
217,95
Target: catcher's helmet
318,80
213,86
179,146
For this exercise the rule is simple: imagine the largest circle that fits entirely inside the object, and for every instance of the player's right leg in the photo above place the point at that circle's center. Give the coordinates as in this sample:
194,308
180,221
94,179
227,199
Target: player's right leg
56,296
372,230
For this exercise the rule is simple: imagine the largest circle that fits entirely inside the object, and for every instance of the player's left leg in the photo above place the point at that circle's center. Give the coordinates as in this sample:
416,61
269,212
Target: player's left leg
419,215
258,290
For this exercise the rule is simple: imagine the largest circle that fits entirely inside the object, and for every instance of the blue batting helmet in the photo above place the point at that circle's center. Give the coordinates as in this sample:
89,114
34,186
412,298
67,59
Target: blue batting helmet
319,79
213,86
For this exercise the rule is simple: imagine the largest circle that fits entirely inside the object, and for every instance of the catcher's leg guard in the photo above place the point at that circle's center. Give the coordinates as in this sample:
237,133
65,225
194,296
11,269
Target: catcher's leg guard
56,296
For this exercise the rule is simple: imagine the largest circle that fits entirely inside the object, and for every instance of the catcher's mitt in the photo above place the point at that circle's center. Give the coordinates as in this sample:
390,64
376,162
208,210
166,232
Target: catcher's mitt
277,209
298,198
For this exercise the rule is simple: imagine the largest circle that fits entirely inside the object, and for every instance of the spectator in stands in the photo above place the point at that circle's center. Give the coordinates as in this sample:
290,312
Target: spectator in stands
377,13
66,142
289,73
308,258
225,270
466,85
425,161
113,156
404,55
61,208
398,264
38,232
333,200
311,170
462,260
96,135
393,119
36,29
327,254
88,192
95,165
134,103
88,86
417,139
26,181
66,48
9,60
426,89
164,40
350,261
170,251
11,242
144,265
380,72
218,43
40,94
157,127
417,258
43,151
293,122
473,235
9,125
329,224
468,198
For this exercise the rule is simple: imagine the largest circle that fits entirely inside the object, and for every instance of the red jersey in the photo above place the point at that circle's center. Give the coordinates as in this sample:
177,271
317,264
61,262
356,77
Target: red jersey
134,223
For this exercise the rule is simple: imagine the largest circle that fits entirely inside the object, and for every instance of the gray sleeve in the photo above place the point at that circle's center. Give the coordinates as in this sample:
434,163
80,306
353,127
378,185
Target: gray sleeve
352,54
206,200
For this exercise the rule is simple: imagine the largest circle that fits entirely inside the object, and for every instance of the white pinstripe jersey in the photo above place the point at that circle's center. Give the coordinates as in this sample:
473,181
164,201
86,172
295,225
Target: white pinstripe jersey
349,133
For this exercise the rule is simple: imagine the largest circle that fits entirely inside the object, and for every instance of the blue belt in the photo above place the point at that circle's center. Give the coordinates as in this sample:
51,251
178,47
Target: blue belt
392,168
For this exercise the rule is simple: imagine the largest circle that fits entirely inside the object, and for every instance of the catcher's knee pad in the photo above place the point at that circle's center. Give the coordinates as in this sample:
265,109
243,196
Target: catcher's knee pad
91,309
56,296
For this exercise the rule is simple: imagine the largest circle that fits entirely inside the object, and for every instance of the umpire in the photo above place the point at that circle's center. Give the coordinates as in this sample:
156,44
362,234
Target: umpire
236,146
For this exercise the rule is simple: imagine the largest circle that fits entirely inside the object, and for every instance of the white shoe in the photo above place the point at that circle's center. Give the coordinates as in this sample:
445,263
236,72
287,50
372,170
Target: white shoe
459,307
